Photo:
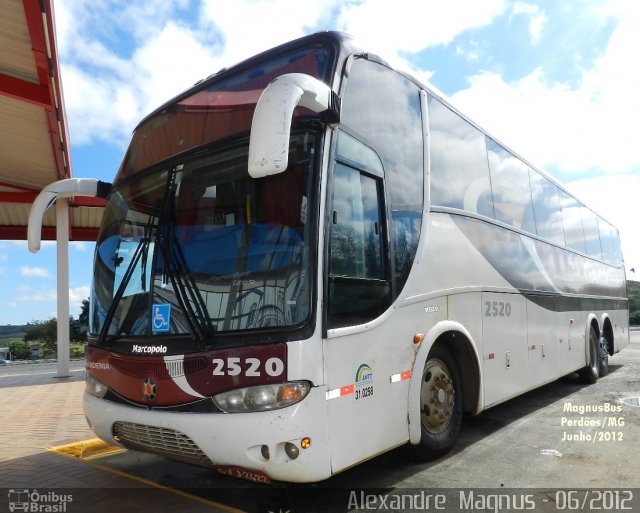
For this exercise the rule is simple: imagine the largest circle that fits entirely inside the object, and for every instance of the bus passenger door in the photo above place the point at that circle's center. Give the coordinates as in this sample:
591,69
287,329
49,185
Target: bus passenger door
365,418
504,333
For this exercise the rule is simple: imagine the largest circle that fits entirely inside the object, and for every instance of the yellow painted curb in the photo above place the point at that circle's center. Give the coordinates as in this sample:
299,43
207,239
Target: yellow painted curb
87,449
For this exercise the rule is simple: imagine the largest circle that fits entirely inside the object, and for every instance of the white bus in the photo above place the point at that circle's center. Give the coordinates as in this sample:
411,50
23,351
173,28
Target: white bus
310,258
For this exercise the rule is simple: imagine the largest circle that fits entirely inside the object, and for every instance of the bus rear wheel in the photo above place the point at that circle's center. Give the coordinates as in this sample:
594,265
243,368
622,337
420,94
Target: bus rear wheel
589,373
604,356
440,404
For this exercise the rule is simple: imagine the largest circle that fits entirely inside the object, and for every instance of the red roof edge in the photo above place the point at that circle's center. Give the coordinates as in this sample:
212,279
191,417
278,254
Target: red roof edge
41,24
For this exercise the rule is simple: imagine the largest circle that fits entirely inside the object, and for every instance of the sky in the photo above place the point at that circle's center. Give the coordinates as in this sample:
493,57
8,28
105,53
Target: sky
558,82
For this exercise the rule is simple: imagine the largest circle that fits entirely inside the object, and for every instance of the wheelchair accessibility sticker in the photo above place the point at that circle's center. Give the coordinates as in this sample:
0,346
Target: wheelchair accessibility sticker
161,315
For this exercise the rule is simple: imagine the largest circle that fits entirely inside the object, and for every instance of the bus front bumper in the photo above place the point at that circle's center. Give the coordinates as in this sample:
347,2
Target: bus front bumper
267,443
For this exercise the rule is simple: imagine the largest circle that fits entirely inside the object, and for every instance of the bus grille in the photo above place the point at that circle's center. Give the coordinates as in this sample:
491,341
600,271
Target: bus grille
161,441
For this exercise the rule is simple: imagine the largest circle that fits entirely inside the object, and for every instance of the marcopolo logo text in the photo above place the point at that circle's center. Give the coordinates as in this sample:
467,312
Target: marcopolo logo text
148,349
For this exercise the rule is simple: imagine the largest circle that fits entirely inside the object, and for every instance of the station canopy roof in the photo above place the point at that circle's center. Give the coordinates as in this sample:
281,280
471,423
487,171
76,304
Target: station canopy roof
34,141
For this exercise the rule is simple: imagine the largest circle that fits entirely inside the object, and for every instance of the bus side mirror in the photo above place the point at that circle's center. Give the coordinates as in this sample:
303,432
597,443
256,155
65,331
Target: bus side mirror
61,189
271,124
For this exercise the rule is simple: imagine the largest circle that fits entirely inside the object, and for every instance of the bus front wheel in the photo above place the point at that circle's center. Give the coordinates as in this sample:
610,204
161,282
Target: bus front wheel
440,404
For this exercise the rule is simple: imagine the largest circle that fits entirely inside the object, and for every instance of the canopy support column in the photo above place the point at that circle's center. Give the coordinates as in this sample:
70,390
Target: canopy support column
62,248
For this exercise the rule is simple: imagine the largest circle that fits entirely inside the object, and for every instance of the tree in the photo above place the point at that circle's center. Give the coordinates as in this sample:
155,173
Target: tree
83,318
43,331
46,332
77,332
20,349
78,328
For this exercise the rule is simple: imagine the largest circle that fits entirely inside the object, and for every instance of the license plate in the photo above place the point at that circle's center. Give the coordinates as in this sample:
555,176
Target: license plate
256,476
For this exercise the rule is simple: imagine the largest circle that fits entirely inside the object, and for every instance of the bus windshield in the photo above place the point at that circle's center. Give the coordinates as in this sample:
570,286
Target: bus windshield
221,108
198,247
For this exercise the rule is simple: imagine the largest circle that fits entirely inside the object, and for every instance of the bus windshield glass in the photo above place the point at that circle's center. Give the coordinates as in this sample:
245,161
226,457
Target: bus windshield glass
223,107
198,247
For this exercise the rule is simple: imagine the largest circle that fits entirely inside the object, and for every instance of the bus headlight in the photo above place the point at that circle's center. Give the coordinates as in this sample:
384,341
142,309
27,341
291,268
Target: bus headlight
262,397
94,387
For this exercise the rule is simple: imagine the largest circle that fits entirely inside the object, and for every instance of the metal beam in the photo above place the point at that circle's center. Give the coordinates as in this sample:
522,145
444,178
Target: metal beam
18,187
33,13
17,197
48,233
39,18
23,90
88,201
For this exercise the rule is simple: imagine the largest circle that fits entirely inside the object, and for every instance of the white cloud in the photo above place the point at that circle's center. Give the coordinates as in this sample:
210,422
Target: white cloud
92,107
590,126
587,127
413,25
81,24
34,272
81,246
611,196
22,244
106,94
165,65
35,296
538,18
471,53
141,18
28,295
77,295
396,29
251,26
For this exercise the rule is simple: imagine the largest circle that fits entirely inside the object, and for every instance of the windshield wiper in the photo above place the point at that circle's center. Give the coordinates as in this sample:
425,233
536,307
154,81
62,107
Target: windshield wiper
197,300
140,252
185,289
187,294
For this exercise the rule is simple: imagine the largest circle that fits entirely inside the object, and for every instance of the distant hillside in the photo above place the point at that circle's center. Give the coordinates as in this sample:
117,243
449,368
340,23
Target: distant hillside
12,331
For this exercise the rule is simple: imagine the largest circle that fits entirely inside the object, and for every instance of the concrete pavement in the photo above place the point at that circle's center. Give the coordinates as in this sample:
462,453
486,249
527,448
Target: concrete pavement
520,446
40,411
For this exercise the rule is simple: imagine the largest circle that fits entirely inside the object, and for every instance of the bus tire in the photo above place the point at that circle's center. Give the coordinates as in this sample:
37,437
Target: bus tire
604,356
440,404
590,372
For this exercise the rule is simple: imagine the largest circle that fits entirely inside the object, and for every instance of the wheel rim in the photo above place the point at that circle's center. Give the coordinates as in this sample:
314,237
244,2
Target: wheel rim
604,350
594,352
437,396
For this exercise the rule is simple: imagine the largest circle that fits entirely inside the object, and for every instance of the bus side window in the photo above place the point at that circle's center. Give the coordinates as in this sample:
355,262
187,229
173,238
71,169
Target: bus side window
383,108
510,187
459,163
591,234
572,222
546,206
610,240
358,284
